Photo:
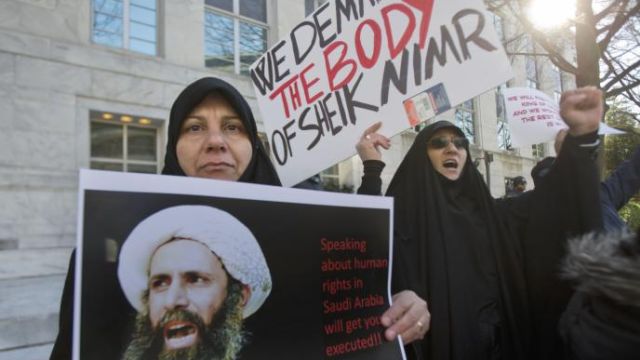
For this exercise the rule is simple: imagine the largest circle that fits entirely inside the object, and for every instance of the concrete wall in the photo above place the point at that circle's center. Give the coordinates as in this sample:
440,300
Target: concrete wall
51,75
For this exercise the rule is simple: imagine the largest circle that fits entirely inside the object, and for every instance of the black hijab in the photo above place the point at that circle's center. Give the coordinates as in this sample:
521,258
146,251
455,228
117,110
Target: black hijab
453,248
260,169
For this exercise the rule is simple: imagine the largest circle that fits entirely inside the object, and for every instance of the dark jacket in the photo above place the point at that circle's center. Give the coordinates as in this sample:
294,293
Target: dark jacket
617,189
602,321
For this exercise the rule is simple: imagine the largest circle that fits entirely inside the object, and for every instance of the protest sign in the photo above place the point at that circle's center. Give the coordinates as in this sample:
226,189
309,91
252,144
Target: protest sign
534,117
328,261
353,63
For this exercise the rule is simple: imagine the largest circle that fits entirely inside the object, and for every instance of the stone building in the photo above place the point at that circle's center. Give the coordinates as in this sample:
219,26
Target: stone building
89,83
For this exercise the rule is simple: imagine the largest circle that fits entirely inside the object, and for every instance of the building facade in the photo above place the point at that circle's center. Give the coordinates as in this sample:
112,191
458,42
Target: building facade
89,84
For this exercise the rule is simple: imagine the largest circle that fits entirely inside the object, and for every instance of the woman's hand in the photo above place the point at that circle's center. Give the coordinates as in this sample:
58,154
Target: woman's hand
370,142
582,109
408,317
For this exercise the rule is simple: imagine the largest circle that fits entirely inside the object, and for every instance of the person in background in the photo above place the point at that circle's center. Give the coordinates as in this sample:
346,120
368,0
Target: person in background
602,320
615,191
487,267
518,186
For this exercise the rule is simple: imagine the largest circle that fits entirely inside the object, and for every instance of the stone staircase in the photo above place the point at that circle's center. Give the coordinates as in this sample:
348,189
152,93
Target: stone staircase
31,282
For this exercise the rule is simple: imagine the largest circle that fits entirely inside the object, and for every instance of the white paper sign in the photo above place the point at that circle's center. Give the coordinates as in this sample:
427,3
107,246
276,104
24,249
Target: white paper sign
353,63
534,117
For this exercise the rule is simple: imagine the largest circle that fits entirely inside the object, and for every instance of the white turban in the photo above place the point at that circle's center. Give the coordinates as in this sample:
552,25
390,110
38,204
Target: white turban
228,238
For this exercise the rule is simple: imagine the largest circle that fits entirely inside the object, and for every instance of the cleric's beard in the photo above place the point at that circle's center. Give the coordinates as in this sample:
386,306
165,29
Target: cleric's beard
222,339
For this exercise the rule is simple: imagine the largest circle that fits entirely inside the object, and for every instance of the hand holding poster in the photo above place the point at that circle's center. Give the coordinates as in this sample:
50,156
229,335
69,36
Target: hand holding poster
175,265
353,63
534,117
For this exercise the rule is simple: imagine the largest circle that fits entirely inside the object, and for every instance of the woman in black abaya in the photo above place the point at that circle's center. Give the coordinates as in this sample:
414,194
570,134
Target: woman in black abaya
475,259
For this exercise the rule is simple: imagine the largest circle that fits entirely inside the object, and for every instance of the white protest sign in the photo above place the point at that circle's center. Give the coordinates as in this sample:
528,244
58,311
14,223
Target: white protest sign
352,63
534,117
608,130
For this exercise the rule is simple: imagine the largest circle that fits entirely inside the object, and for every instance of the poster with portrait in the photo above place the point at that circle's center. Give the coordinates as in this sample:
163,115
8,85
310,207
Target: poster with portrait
223,268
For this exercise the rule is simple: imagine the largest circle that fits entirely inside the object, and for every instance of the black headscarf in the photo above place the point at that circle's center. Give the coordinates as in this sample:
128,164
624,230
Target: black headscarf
456,251
260,169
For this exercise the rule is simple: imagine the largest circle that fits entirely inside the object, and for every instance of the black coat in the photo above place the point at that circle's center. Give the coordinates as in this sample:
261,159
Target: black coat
602,320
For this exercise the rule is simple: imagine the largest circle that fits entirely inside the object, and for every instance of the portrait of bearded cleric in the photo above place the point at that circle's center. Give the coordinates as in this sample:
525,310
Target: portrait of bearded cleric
193,273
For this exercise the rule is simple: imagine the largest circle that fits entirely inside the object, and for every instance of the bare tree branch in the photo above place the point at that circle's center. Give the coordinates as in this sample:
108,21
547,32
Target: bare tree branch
610,9
620,20
618,77
610,37
554,54
606,58
623,88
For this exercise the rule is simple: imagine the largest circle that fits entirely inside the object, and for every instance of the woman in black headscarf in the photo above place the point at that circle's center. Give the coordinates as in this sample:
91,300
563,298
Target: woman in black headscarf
481,264
213,134
259,170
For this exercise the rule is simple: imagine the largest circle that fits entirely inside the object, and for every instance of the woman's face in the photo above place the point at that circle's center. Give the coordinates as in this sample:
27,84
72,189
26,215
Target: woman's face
446,150
213,141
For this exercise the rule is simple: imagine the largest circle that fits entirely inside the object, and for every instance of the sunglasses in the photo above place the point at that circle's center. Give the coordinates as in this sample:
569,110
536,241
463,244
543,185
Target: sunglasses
442,142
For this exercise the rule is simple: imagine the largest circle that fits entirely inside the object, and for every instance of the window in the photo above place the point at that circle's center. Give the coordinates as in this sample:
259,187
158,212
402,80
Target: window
504,135
530,63
465,116
537,150
126,143
556,96
330,178
532,72
498,24
235,34
311,5
557,82
128,24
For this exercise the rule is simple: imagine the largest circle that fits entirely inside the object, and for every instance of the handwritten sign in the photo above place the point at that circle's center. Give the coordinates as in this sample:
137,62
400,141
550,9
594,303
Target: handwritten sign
352,63
534,117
